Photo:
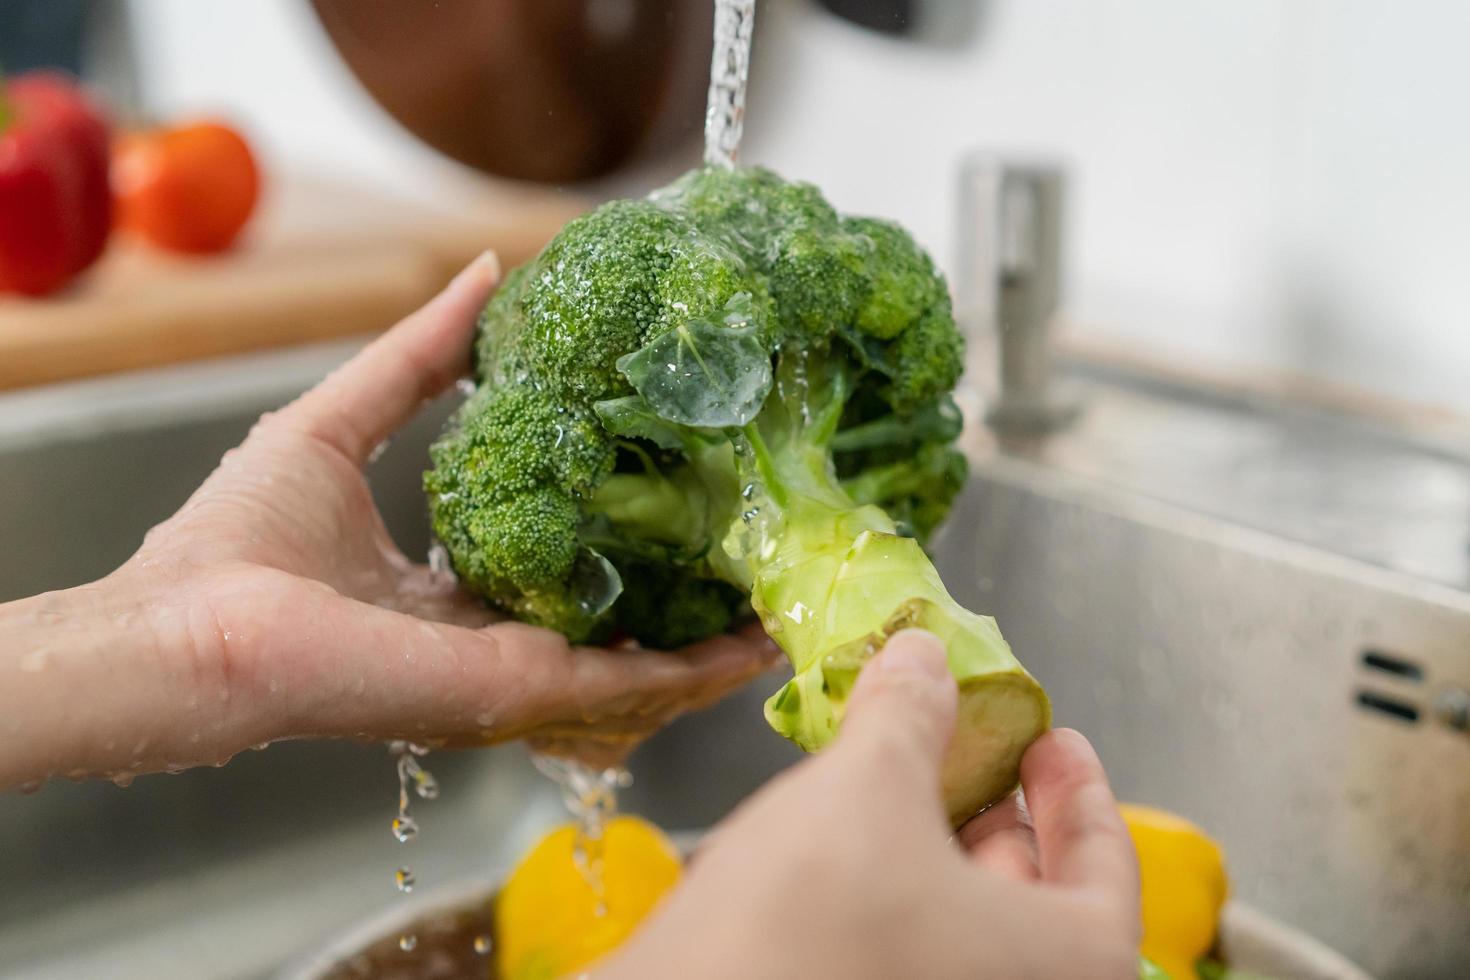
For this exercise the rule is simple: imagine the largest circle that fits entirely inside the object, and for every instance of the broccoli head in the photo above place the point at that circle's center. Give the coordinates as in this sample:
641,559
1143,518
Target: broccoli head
724,399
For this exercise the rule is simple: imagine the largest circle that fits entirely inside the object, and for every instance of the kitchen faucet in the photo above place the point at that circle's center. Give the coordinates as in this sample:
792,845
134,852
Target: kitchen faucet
1010,274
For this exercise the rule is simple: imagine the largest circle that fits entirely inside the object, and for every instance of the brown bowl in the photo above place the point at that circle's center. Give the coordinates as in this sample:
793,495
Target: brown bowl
546,90
447,921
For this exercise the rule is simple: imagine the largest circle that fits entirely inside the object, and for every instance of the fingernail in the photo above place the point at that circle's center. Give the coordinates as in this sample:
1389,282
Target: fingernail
915,652
486,264
1074,741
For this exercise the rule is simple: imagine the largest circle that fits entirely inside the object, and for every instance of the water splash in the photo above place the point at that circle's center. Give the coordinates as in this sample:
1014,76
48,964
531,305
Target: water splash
729,69
591,797
413,780
440,567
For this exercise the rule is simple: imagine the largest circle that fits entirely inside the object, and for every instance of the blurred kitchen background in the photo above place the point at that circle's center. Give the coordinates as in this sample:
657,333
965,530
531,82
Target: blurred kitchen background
1274,183
1230,532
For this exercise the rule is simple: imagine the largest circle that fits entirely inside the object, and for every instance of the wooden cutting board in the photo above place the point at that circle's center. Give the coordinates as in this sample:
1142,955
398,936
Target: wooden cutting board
319,261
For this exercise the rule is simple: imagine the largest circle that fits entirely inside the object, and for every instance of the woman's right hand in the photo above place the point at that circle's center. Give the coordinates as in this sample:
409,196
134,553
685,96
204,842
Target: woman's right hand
846,866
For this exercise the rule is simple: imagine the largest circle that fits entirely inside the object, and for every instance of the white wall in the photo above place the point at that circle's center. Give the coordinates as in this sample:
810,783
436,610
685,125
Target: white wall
269,65
1276,182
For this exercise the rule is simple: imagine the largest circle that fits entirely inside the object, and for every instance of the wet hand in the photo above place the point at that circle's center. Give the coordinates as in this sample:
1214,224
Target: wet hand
275,605
845,866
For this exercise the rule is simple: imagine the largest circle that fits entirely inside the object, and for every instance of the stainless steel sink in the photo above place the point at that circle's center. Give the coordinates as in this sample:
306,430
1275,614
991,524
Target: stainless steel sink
1273,679
1258,610
228,873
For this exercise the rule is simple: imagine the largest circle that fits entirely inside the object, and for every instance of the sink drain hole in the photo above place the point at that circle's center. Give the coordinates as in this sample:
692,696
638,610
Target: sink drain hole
1401,710
1390,664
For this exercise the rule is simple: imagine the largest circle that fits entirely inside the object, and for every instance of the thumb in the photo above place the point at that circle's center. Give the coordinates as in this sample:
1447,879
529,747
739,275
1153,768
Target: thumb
902,709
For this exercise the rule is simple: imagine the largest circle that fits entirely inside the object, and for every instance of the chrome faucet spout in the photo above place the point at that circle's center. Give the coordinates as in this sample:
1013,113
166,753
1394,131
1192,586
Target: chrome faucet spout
1011,253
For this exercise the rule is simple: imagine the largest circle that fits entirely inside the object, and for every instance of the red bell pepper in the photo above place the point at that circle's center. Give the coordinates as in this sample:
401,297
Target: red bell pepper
55,202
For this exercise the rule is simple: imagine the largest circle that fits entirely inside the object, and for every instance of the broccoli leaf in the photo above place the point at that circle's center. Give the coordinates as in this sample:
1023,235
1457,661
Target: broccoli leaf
703,374
633,418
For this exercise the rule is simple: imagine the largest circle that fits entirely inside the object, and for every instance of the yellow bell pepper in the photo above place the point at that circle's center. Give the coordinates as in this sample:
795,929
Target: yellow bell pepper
1184,888
549,920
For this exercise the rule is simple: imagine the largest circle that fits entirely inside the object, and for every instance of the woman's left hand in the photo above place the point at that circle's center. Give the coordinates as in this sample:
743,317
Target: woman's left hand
275,605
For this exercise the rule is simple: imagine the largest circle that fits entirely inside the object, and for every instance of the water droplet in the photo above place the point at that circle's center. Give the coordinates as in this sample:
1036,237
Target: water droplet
439,564
465,387
482,945
124,779
425,785
595,583
408,942
405,828
378,451
403,878
485,718
35,661
260,746
34,785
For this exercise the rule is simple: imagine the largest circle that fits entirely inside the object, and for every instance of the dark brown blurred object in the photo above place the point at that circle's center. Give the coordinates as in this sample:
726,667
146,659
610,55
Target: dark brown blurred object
548,90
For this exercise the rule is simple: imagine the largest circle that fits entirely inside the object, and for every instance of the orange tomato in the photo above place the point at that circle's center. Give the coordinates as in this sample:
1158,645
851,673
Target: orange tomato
188,188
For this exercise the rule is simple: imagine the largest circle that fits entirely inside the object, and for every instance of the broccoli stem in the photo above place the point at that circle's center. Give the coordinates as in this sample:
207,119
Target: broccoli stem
831,580
651,507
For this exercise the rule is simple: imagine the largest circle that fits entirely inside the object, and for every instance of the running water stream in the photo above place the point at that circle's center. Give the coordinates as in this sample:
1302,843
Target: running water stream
729,68
591,796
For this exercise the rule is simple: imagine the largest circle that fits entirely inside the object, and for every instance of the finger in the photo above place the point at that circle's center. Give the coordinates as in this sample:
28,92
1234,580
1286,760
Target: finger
1002,840
371,396
598,751
429,593
1079,831
901,713
338,667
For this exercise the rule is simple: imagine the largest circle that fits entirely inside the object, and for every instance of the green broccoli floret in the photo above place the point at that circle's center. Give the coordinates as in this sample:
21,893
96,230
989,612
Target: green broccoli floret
726,398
